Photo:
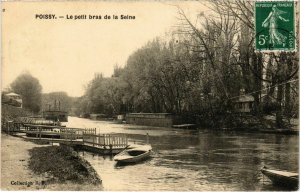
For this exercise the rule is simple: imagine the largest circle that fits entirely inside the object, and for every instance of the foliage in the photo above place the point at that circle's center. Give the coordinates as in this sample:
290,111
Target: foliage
60,163
198,70
30,89
56,101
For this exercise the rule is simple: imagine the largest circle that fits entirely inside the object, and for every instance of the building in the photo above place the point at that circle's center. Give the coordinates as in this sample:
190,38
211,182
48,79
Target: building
243,104
15,99
61,116
151,119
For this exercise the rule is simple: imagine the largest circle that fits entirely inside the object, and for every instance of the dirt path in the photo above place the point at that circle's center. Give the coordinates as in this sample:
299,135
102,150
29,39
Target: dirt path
14,160
15,174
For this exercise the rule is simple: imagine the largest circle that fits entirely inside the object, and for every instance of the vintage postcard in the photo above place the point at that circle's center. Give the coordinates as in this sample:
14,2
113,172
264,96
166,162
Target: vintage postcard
150,95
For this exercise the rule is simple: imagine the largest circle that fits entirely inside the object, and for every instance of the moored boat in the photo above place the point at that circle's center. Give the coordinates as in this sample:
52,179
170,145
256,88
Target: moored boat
282,178
134,154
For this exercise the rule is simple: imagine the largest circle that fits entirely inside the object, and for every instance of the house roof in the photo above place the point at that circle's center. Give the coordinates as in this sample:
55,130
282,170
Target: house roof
12,94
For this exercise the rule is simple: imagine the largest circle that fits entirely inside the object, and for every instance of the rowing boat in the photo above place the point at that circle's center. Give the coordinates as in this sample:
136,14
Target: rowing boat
134,155
282,178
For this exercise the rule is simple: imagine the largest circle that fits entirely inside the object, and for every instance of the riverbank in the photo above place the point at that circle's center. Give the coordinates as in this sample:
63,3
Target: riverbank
207,160
29,166
14,165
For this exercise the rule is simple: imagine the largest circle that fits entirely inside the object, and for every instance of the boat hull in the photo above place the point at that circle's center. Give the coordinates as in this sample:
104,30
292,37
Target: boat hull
286,179
134,154
134,159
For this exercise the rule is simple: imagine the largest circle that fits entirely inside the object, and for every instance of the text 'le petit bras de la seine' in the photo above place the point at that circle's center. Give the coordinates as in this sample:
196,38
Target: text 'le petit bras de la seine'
84,16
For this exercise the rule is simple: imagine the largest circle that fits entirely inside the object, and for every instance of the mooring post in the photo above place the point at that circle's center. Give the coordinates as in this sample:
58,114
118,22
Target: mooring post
7,127
147,138
110,149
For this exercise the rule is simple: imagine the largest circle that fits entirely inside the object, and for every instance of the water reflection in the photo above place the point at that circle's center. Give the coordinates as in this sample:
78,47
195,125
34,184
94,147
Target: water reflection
189,160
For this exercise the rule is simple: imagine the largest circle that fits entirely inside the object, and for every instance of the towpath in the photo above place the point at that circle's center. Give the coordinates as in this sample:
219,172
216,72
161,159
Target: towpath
15,174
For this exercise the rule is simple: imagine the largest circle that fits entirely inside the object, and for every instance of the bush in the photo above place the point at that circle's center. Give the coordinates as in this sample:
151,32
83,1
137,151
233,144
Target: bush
61,163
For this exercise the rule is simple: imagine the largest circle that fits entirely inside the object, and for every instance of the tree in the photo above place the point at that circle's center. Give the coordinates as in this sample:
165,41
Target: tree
56,101
30,89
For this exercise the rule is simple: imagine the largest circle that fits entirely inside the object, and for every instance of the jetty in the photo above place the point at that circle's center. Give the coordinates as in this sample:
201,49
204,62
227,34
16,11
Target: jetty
84,139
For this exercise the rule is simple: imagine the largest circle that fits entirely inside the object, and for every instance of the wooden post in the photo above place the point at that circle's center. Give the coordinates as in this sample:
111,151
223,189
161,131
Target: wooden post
104,143
147,138
109,140
7,127
100,141
110,149
94,139
70,134
37,134
83,133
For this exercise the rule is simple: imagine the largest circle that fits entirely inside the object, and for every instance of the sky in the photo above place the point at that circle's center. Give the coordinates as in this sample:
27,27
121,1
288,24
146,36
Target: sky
64,54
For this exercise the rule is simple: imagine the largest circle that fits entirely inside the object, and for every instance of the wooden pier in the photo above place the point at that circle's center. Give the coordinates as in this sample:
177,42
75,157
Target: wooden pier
85,139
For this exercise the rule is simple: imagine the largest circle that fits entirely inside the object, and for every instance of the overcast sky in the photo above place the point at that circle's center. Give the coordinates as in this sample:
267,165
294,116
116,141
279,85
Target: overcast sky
64,54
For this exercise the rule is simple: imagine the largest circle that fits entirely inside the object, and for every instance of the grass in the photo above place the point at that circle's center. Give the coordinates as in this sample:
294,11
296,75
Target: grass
61,164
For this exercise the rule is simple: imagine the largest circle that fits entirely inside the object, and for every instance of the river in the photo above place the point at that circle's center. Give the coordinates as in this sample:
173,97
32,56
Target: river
194,160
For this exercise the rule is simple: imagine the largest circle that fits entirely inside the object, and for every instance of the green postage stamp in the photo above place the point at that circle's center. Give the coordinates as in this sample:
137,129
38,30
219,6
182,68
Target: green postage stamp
275,26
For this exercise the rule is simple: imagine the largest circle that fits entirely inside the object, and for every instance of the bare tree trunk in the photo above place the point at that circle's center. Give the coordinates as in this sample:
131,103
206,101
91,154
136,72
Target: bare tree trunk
288,107
257,66
279,120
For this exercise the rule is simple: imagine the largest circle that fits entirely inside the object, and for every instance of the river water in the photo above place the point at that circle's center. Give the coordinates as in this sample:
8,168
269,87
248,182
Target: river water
194,160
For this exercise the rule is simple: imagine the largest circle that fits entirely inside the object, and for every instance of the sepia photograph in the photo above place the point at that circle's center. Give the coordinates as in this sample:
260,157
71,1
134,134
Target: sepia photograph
129,95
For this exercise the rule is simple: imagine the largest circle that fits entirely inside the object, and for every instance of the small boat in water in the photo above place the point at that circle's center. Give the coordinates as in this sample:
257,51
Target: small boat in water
134,154
282,178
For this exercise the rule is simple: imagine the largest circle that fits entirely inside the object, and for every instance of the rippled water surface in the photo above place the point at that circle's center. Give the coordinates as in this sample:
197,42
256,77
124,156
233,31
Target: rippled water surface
194,160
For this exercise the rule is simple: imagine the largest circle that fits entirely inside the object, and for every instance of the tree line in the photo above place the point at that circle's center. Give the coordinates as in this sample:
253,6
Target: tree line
198,70
33,100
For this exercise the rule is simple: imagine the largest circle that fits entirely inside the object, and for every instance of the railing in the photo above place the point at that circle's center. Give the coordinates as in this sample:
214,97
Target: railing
106,140
10,126
71,133
35,121
87,136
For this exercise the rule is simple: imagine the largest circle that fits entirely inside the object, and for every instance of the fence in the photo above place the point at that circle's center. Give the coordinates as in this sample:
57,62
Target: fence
10,126
86,136
106,141
90,137
35,121
71,133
